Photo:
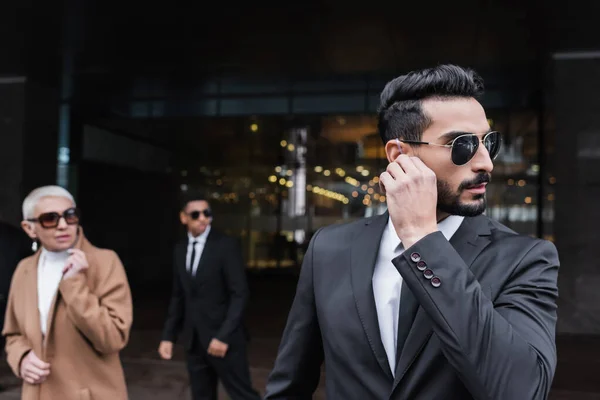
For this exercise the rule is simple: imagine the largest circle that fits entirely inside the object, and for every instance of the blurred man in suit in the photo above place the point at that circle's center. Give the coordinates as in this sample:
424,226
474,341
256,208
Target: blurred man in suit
208,300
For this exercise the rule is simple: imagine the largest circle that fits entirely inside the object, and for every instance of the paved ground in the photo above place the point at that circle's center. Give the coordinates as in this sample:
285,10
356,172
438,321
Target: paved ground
150,378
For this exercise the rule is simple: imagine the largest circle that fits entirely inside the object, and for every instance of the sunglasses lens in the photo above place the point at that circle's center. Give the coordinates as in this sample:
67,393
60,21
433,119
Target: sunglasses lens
208,213
464,148
493,143
195,214
72,216
49,220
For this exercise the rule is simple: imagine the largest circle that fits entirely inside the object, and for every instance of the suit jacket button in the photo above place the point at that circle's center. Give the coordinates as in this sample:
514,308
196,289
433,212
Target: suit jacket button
421,265
428,274
436,282
415,257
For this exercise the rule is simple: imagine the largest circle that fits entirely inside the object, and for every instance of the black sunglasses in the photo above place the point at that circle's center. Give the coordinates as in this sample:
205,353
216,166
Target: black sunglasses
196,214
464,147
52,219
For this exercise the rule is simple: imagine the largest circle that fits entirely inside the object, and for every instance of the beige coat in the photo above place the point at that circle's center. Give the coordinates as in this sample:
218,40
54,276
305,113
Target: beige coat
88,324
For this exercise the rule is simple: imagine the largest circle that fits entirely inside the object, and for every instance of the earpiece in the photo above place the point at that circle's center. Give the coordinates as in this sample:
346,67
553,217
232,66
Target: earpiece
398,143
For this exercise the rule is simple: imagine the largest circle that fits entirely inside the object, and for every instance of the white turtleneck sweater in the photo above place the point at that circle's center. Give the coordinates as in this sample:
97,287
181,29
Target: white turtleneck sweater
50,269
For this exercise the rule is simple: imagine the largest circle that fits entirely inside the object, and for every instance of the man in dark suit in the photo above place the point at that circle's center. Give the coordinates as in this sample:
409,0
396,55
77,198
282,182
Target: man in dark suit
432,300
14,246
209,299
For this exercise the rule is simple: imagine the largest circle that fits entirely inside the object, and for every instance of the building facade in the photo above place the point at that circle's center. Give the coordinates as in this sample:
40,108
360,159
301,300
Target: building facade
271,113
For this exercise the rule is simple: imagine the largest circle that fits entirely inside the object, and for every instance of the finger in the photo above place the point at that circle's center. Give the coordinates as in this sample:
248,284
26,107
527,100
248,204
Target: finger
78,259
386,181
36,378
407,164
420,165
38,362
33,377
81,256
29,380
69,263
82,262
38,371
396,171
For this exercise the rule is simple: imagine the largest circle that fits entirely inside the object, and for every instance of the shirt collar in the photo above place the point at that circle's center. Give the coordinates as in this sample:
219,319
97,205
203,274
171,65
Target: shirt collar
54,256
201,238
447,226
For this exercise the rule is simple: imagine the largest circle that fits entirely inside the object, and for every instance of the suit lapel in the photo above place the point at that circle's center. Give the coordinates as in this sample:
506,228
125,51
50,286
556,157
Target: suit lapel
49,324
180,258
408,311
469,240
365,248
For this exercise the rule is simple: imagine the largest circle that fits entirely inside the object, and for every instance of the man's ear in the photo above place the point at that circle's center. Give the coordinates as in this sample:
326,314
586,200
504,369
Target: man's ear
183,217
394,148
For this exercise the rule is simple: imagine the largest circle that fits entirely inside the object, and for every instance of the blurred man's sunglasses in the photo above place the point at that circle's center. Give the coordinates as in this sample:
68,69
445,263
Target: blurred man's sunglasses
52,219
196,214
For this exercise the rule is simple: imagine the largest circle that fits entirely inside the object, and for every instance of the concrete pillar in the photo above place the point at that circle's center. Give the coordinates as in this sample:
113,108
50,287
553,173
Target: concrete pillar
27,142
577,102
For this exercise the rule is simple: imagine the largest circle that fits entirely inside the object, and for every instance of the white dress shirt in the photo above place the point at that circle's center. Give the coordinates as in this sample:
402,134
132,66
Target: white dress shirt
387,283
50,268
200,242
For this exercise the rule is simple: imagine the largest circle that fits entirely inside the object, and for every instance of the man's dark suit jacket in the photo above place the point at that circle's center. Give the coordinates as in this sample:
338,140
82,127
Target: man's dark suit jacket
486,332
14,246
212,303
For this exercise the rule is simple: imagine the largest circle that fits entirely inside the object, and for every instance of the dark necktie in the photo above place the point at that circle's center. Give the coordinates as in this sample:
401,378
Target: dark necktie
192,258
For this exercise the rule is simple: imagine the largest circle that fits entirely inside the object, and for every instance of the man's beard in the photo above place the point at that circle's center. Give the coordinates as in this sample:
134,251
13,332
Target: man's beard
449,201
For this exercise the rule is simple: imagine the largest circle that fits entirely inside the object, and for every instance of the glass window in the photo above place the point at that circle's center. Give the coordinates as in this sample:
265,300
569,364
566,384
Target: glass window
273,180
514,190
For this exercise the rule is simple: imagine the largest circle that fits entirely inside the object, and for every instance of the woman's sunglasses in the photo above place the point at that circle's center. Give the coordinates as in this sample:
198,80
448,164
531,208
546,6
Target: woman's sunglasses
465,146
196,214
52,219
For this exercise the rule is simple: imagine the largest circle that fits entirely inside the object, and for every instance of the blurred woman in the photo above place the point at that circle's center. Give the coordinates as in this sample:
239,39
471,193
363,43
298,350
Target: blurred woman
69,310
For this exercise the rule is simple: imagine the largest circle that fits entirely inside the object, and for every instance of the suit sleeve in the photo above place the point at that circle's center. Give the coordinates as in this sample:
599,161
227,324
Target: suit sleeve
104,316
176,309
17,345
235,278
297,368
500,350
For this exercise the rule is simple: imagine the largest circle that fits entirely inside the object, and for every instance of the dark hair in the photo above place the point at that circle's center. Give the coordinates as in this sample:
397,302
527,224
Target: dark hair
401,113
193,196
